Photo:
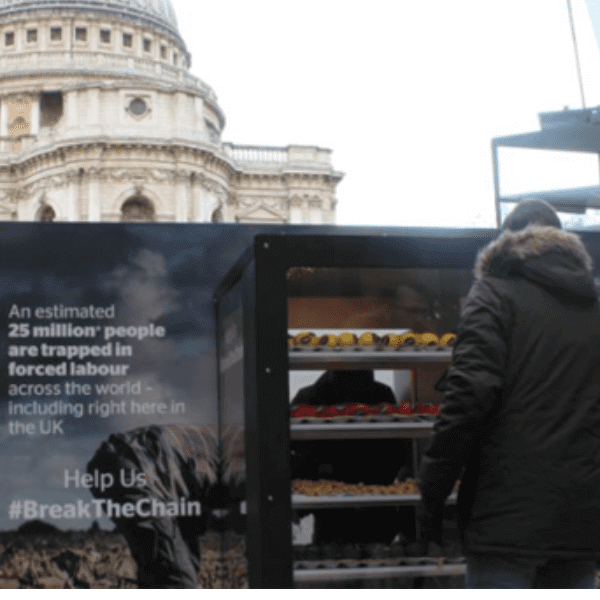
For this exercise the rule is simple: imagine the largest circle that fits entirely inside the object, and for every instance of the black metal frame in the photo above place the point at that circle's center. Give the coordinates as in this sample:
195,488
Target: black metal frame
262,273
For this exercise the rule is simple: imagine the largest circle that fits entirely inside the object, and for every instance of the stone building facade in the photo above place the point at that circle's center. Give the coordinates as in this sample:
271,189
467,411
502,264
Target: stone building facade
101,120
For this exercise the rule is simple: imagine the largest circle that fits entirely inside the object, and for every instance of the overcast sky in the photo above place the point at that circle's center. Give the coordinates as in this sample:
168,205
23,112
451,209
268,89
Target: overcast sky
407,94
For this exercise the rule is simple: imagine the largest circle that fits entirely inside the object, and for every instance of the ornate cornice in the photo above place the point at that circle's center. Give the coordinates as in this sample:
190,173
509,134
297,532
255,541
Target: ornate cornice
206,157
105,149
155,163
139,177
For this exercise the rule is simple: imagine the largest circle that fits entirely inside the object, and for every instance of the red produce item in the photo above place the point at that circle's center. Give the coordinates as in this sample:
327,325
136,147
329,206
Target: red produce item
428,409
384,408
304,411
329,411
404,409
356,409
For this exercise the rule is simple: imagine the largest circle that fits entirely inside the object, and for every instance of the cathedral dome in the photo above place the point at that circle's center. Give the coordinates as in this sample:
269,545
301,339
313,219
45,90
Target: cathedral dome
158,12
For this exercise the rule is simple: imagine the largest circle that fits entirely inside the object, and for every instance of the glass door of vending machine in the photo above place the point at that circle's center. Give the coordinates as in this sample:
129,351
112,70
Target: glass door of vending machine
366,347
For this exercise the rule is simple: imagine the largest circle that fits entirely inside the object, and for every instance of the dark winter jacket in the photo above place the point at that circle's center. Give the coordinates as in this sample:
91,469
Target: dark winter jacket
521,406
344,387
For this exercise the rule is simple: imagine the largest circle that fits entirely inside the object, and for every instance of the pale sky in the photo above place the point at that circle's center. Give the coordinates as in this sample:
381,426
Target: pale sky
407,94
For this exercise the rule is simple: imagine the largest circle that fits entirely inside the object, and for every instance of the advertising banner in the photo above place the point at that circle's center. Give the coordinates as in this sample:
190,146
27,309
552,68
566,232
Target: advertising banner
110,470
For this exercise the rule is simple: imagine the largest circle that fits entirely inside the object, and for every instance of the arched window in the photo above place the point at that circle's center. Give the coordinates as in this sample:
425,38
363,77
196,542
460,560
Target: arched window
137,208
217,216
46,213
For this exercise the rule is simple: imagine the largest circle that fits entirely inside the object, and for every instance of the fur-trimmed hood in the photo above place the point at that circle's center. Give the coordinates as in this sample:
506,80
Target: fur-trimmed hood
553,258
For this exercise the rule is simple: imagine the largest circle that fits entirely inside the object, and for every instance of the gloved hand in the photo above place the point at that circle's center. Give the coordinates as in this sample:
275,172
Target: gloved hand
430,520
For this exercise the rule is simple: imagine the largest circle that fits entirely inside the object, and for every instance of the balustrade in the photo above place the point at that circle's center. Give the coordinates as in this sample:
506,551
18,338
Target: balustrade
256,153
273,156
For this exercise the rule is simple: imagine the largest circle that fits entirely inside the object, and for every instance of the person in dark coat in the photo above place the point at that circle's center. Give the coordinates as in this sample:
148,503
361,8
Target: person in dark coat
520,413
345,387
368,461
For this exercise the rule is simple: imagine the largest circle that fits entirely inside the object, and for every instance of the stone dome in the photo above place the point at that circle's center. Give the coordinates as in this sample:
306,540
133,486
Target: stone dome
158,12
101,120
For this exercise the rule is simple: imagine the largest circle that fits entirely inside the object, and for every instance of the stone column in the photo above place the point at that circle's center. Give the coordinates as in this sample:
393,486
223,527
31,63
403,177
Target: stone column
94,195
295,216
182,195
19,38
93,98
182,123
195,206
199,125
35,116
71,108
73,195
330,212
210,200
196,209
4,117
315,212
305,210
205,203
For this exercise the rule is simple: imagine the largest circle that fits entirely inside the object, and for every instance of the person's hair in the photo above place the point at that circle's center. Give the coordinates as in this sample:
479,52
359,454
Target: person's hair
531,212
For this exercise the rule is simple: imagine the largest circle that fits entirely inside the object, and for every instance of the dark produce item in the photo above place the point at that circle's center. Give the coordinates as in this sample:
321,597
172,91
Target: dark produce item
377,550
397,550
351,551
329,551
434,550
415,549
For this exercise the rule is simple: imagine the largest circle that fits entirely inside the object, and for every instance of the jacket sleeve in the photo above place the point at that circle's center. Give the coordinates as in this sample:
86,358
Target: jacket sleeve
473,389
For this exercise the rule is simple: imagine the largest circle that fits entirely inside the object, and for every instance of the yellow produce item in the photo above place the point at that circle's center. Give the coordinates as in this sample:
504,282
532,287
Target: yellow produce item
304,339
331,341
408,339
447,339
348,339
368,339
391,340
429,339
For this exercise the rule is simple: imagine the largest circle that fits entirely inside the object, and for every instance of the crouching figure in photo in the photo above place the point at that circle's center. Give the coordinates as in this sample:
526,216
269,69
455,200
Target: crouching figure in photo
155,483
